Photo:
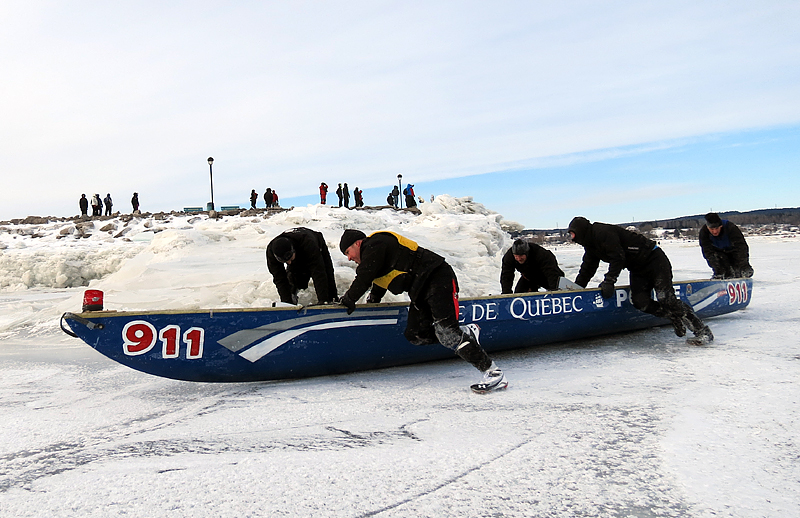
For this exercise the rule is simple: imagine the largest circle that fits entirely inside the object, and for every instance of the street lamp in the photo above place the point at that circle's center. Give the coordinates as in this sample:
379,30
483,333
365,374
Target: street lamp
211,174
400,186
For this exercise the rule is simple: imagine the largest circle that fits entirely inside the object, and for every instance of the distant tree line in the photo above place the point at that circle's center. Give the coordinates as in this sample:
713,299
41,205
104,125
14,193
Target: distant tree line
685,226
789,216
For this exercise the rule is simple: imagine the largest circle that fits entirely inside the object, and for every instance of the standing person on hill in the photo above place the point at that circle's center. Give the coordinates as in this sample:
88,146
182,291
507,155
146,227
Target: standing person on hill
388,261
396,196
135,202
357,195
537,266
346,196
108,203
409,194
253,198
268,197
275,203
725,248
339,194
83,203
97,205
323,193
649,269
306,256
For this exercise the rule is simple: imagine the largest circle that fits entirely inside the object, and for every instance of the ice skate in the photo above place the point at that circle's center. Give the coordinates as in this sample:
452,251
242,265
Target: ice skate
493,379
702,333
701,337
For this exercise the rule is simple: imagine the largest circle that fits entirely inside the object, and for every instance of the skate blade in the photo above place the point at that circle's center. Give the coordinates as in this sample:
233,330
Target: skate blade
480,388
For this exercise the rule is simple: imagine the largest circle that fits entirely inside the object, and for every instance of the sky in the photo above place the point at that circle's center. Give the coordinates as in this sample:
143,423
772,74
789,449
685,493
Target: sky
632,424
539,110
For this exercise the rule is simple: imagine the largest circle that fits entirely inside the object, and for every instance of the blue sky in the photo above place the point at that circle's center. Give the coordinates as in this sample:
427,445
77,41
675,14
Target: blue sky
539,110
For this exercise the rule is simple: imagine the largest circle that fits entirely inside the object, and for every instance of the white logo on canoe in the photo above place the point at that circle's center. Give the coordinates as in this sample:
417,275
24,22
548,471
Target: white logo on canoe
254,344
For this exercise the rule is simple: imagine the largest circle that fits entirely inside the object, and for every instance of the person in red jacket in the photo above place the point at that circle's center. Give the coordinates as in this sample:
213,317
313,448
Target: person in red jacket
323,193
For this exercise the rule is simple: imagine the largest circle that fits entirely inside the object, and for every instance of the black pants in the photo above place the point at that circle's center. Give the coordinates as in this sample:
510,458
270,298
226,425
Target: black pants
656,275
433,317
528,285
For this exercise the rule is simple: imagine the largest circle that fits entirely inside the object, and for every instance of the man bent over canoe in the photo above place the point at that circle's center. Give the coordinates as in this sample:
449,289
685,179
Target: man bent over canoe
388,261
649,269
306,257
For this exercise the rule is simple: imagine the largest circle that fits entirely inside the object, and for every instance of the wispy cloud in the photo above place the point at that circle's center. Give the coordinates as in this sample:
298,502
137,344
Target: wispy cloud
122,97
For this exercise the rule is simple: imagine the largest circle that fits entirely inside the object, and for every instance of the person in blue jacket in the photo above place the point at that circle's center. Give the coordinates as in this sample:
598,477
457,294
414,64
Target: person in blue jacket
725,248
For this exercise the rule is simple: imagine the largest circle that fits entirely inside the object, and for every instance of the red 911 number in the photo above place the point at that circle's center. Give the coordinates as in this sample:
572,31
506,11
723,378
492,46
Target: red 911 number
737,292
139,337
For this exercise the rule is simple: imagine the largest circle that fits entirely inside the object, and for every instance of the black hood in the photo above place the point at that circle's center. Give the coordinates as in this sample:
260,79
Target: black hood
582,229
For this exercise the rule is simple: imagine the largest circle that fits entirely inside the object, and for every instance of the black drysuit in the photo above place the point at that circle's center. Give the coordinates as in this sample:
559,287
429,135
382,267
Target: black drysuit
727,254
648,265
540,270
312,261
392,262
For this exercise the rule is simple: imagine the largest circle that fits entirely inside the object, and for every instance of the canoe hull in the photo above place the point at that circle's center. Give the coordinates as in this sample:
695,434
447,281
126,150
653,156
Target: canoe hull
236,345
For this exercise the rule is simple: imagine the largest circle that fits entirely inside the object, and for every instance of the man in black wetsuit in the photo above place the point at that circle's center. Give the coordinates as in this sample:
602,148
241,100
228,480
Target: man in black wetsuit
306,256
388,261
537,266
725,248
649,269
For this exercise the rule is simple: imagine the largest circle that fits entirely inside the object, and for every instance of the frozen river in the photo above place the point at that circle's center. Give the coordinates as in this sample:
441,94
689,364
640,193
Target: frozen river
628,425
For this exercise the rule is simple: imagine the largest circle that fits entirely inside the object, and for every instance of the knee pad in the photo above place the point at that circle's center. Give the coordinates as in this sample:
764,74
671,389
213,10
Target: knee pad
449,337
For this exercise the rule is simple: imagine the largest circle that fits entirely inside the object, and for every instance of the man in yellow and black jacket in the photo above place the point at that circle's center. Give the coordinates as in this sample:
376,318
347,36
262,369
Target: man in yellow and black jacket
389,261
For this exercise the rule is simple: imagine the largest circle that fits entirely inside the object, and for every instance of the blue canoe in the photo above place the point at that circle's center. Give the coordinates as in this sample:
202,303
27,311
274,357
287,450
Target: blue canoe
235,345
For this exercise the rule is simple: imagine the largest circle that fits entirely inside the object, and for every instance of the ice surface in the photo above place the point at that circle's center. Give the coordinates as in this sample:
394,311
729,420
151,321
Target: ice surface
638,424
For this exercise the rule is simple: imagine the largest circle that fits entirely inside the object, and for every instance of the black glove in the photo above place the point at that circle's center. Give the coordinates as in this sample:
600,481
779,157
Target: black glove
607,289
373,299
349,303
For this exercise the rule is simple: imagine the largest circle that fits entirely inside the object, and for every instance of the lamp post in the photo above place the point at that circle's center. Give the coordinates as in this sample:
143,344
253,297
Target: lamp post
400,187
211,175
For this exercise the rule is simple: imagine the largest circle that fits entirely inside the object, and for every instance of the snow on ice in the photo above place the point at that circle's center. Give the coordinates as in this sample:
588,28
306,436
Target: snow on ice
631,425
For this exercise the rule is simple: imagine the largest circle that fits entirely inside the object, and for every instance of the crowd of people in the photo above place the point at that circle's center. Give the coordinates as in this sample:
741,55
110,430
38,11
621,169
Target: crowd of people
393,199
387,261
97,204
270,199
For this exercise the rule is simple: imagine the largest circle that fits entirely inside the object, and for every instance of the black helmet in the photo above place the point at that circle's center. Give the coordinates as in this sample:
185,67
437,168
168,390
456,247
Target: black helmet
581,227
713,220
520,247
349,237
282,249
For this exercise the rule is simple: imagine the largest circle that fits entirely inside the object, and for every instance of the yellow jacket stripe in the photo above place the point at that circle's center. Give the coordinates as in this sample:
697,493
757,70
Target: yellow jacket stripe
387,279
